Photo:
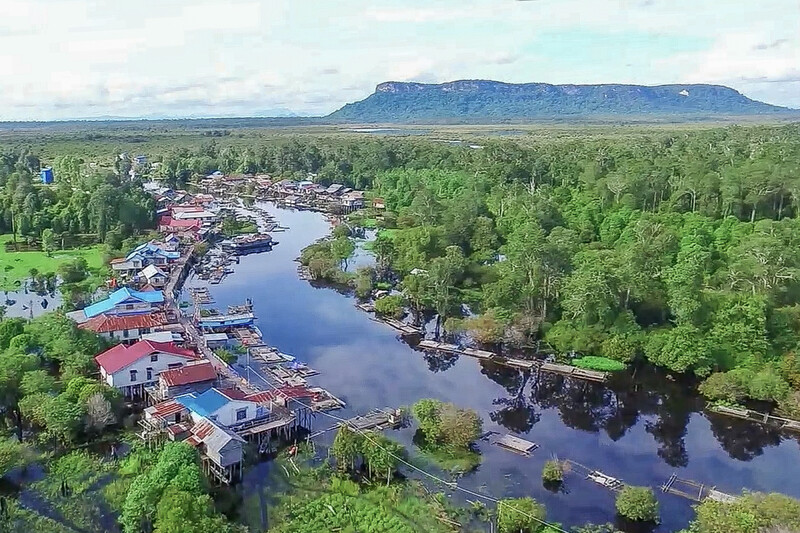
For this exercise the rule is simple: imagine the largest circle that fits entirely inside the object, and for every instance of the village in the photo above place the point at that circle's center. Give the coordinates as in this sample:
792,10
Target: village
167,358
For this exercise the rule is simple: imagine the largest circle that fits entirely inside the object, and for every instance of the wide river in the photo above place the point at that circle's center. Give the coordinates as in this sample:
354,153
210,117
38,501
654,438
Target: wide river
639,429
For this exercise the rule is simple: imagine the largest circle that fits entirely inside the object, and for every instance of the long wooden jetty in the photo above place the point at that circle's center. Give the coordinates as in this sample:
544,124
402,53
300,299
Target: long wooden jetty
523,364
755,416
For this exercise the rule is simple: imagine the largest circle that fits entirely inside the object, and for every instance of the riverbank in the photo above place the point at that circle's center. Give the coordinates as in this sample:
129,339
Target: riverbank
640,429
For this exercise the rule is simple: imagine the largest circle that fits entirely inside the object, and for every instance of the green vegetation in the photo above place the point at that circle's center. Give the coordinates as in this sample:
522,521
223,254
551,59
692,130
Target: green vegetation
638,504
603,364
391,306
446,434
226,355
553,472
231,227
87,204
492,101
520,515
752,513
17,266
326,259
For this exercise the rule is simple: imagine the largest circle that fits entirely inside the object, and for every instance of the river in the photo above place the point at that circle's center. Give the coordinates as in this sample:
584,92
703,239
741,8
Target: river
639,429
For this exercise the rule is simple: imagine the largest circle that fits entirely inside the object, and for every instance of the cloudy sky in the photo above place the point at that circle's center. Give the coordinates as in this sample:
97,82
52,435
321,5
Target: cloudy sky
171,58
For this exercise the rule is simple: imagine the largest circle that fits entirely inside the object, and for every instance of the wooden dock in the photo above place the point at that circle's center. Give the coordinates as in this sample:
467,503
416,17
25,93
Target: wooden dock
367,307
604,480
755,416
522,364
695,491
402,327
516,445
377,419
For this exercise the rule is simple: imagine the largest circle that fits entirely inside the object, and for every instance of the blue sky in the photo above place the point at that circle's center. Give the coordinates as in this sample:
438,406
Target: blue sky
152,58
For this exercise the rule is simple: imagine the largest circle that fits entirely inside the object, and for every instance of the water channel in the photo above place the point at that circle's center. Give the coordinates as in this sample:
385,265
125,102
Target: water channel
639,429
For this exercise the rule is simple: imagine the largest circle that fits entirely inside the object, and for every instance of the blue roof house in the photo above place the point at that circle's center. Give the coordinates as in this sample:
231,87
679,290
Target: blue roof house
125,302
221,407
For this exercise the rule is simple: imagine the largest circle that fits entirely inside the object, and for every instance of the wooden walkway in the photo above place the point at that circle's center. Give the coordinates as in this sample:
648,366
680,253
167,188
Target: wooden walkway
695,491
596,476
755,416
402,327
379,419
522,364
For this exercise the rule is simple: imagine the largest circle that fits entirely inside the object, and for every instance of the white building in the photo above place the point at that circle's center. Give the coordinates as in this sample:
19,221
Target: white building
132,368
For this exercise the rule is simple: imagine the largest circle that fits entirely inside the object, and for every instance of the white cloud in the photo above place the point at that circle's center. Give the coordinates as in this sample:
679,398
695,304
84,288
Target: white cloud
79,58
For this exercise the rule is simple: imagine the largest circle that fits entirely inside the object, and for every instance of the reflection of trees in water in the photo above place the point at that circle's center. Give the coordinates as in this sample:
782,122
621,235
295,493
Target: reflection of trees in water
743,440
582,405
515,413
439,362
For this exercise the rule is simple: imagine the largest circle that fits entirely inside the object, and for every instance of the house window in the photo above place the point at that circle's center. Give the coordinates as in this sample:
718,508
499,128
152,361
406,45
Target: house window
128,306
145,331
125,333
173,366
241,414
149,374
154,358
133,376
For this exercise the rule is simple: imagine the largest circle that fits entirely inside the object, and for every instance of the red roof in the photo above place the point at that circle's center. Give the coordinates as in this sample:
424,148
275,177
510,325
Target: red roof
106,323
189,374
186,209
297,392
170,222
121,356
233,394
166,409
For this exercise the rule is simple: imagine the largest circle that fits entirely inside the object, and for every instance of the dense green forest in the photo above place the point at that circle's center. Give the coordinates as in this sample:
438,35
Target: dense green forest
99,203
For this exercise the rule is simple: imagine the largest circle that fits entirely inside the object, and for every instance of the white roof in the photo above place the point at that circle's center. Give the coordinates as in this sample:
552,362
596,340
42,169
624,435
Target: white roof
162,336
215,337
151,270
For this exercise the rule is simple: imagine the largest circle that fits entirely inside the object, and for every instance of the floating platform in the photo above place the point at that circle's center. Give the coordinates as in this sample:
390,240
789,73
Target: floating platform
367,307
402,327
516,445
604,480
523,364
755,416
377,419
695,491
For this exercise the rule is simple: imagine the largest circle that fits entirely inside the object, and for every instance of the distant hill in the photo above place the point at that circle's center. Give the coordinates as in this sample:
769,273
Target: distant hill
471,100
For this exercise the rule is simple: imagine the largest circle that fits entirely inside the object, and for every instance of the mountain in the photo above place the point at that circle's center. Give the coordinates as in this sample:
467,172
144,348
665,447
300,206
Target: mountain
473,100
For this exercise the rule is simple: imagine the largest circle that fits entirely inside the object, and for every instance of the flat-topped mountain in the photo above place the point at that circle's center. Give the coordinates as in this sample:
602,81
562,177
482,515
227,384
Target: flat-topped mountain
483,99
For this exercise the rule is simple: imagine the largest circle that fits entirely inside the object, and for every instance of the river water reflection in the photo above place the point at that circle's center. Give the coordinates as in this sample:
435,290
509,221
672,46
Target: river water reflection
640,429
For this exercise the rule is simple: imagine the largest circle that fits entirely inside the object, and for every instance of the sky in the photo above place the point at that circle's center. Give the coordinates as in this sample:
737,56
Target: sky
66,59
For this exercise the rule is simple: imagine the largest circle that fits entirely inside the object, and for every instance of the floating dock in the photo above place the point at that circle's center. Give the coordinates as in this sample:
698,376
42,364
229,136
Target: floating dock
201,296
695,491
523,364
516,445
367,307
755,416
402,327
377,419
604,480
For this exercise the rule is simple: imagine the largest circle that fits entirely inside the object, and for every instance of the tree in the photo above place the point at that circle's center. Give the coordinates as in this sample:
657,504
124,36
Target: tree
10,328
638,504
99,413
37,381
346,447
342,248
184,512
520,515
63,419
391,306
12,454
48,241
552,472
751,513
381,454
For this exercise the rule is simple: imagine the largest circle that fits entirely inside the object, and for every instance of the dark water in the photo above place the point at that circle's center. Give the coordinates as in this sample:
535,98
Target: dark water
31,300
639,430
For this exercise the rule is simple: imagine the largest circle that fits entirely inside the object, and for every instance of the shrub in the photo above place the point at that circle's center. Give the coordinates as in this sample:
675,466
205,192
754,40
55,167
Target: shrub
603,364
520,515
552,472
390,306
637,503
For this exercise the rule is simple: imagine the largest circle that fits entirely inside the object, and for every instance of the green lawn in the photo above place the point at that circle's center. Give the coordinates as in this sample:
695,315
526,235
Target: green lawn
16,266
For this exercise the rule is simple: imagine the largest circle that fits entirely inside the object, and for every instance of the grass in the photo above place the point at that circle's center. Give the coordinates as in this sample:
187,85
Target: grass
602,364
16,266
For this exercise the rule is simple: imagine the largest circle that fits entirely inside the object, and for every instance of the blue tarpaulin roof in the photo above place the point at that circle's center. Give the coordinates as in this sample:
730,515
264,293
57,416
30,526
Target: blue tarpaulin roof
119,296
205,404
